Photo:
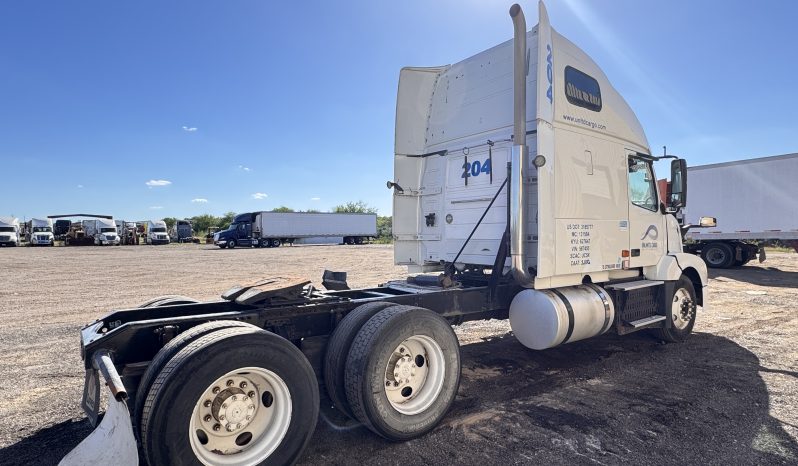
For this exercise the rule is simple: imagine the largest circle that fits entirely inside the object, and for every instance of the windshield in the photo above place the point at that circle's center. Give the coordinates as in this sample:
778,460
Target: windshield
8,229
42,229
159,230
107,230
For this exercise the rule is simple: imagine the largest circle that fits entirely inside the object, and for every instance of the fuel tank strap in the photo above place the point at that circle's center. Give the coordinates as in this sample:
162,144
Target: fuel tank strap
570,310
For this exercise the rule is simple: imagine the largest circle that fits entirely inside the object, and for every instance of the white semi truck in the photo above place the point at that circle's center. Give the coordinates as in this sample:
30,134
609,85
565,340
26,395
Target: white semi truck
539,206
156,232
40,232
754,201
272,229
9,231
102,231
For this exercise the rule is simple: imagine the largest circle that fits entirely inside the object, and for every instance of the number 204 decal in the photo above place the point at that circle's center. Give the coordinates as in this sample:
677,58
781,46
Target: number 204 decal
475,168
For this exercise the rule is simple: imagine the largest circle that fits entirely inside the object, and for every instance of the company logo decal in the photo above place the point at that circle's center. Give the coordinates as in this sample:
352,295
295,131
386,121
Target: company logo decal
651,233
582,90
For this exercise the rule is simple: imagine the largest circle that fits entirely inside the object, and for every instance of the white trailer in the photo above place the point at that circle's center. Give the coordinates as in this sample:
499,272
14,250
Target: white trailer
754,201
350,227
569,241
272,229
41,232
9,231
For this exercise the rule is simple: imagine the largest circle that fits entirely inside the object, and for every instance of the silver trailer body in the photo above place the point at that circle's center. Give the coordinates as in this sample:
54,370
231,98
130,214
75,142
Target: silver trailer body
307,224
752,199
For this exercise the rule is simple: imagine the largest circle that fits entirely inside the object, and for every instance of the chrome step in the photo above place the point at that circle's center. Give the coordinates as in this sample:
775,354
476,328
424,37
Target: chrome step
646,321
635,285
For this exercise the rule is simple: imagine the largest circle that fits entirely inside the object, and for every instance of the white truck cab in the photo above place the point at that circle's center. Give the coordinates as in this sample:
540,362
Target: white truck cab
531,138
156,232
9,231
41,232
103,230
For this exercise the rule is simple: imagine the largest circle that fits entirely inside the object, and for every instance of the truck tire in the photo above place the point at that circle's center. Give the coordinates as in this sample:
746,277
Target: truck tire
275,243
167,353
683,312
718,255
168,300
231,244
403,371
358,240
338,349
199,403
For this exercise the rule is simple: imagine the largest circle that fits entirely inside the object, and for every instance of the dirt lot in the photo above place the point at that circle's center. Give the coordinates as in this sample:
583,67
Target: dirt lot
729,395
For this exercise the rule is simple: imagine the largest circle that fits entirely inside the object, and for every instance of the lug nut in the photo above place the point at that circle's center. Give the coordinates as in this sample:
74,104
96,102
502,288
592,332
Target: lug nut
243,385
230,383
207,403
216,427
248,418
207,418
215,390
401,350
396,384
230,427
388,384
251,394
224,405
235,398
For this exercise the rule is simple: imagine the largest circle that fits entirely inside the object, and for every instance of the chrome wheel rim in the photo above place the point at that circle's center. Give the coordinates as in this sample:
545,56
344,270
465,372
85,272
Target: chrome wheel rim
682,309
414,375
241,418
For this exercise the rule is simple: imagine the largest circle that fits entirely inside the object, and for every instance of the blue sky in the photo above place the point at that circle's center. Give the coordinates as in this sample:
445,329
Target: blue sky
249,105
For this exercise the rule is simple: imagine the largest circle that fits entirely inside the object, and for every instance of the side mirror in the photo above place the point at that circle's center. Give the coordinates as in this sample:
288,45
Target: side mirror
707,222
678,195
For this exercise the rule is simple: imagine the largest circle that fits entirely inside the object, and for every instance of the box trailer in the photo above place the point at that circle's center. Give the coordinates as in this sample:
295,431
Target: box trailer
9,231
272,229
754,201
562,233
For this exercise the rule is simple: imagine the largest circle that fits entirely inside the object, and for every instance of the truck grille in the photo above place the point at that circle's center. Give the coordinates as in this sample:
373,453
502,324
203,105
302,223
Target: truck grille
5,238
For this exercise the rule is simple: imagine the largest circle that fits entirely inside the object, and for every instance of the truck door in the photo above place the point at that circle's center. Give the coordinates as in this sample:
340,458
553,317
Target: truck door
244,234
647,235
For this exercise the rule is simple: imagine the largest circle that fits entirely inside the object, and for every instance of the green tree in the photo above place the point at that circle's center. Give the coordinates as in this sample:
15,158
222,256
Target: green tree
225,220
282,209
358,207
170,222
385,229
201,223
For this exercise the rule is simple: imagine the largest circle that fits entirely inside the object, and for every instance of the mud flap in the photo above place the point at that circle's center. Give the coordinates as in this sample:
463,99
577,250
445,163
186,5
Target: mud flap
111,443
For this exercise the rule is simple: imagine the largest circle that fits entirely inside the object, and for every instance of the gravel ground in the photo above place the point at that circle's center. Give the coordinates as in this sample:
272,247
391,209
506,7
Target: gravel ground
729,395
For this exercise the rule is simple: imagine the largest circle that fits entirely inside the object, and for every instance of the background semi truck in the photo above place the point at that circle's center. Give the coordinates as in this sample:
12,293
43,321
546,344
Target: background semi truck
754,201
40,232
183,232
272,229
9,231
156,232
562,233
102,231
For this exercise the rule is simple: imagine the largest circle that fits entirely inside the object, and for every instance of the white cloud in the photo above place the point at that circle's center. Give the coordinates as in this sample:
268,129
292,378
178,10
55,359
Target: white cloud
189,129
80,186
260,196
152,183
199,200
315,198
156,207
243,168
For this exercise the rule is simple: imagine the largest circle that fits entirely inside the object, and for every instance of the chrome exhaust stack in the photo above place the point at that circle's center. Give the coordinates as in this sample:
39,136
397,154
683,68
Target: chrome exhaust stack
520,154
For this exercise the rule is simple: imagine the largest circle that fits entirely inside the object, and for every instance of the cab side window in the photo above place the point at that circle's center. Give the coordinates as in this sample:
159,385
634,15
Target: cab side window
642,185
